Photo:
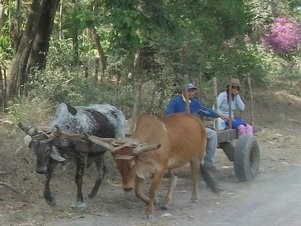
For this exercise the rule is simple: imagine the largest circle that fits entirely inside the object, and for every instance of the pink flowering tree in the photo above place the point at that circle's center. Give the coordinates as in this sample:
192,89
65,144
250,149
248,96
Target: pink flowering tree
283,36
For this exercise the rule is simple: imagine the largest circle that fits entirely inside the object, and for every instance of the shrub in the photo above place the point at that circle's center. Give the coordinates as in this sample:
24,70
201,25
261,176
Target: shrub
283,35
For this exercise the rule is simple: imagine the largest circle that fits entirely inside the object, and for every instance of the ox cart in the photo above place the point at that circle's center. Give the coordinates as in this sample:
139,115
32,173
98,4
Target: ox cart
242,151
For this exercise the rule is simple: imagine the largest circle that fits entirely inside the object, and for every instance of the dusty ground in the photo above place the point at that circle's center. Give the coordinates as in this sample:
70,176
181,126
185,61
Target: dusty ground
278,134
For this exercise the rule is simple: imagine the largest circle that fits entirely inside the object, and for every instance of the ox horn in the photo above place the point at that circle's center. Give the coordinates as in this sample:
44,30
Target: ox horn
58,133
28,129
102,142
145,147
111,143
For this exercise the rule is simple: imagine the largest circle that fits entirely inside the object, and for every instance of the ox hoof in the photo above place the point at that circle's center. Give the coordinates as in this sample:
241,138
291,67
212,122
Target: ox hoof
149,212
91,196
51,202
129,196
195,200
164,206
79,206
149,216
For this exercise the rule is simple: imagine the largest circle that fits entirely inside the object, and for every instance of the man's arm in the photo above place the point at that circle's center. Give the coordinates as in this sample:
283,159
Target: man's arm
220,99
205,111
171,108
240,104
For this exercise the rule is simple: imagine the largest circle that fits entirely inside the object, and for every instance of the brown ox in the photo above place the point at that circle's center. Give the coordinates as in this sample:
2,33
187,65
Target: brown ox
182,139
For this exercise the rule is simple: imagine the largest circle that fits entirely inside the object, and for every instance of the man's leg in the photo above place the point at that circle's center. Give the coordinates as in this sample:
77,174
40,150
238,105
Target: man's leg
211,148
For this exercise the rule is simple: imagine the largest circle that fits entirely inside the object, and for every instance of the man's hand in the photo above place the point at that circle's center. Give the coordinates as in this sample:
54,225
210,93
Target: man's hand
224,117
234,92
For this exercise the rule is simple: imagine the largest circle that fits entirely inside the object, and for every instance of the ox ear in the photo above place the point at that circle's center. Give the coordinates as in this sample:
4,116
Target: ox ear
55,154
145,147
72,110
27,140
28,129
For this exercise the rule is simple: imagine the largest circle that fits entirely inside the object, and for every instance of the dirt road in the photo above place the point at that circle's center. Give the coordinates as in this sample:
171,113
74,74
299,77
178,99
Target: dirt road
271,199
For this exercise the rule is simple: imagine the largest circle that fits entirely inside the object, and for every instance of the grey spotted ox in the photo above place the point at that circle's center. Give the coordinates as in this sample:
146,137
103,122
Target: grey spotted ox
51,147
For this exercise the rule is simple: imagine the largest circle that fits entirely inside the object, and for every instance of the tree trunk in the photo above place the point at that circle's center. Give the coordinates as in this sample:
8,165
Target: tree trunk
75,46
101,54
61,35
162,94
1,90
75,37
43,30
15,27
96,69
137,103
137,89
3,85
252,101
38,27
19,63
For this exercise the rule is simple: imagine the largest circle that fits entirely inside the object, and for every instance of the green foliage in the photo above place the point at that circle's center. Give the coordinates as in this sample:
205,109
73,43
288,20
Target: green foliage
60,54
30,110
135,23
238,60
5,51
79,20
70,87
179,40
260,13
125,33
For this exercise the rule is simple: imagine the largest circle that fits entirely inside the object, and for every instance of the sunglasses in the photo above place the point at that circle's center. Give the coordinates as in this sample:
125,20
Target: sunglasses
236,87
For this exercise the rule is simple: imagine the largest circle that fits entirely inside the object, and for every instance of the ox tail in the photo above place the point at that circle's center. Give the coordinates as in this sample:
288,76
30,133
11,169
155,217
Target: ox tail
209,180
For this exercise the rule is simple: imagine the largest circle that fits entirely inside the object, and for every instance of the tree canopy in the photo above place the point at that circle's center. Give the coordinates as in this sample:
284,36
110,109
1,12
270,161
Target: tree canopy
80,51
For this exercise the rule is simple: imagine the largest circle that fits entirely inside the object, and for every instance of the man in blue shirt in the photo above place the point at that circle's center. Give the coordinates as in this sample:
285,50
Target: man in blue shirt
181,102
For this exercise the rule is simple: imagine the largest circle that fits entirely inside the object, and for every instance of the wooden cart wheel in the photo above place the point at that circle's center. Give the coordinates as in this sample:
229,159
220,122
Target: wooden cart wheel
246,158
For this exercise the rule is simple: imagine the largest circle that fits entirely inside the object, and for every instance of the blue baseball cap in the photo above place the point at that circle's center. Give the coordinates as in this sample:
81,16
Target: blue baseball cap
189,86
